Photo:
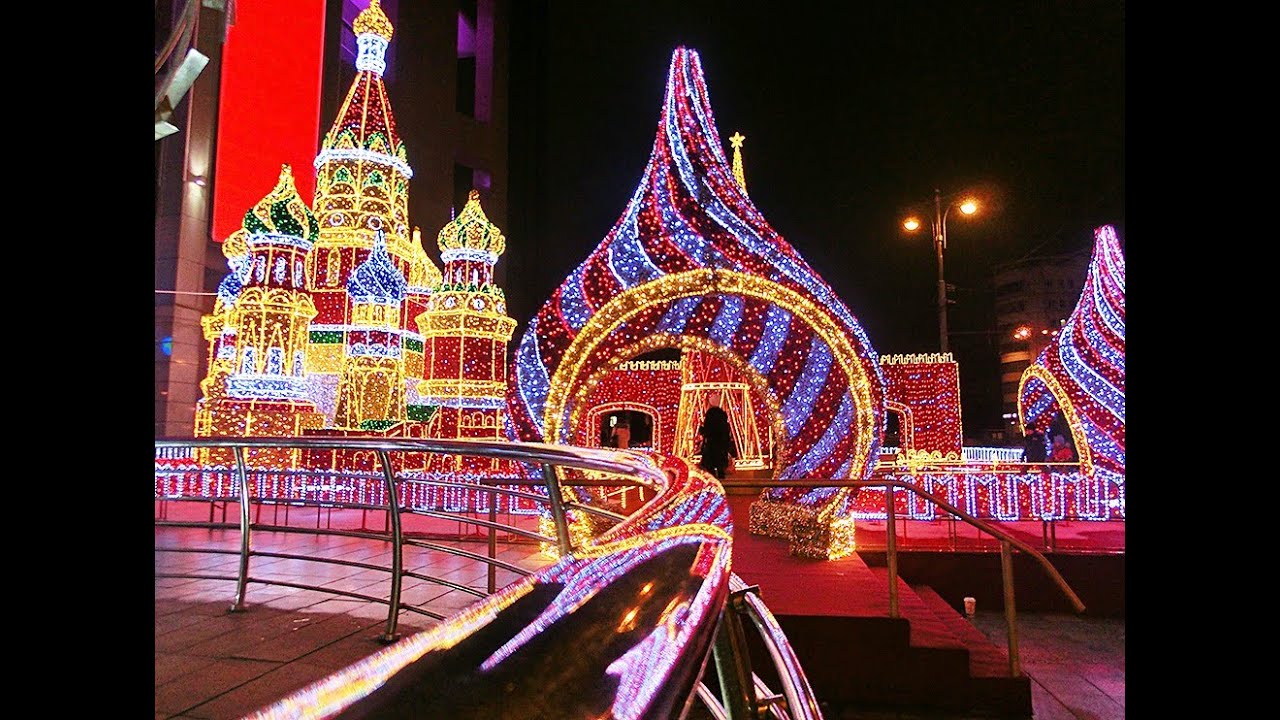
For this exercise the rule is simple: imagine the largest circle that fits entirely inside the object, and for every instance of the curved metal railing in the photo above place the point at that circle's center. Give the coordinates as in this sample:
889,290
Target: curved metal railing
631,570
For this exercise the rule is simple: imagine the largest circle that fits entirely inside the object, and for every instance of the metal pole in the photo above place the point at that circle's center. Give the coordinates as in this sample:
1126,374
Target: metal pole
1010,611
397,547
733,665
242,575
891,549
940,243
493,540
557,509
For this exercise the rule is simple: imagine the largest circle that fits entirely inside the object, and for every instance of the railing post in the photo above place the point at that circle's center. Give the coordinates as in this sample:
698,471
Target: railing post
493,540
397,547
242,575
891,549
557,509
733,668
1010,610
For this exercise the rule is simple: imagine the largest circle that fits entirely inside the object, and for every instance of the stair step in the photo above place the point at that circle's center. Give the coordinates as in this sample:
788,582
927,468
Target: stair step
985,658
927,630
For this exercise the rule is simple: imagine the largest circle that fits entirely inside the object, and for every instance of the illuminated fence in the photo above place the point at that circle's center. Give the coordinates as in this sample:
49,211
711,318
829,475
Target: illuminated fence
992,454
417,491
173,453
975,454
1003,496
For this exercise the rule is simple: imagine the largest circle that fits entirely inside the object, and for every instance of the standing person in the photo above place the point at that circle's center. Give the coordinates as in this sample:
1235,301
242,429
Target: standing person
1033,450
1062,452
622,434
717,441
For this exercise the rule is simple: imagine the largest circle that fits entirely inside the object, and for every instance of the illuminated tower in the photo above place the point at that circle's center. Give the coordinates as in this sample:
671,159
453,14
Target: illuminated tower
466,331
362,185
424,276
258,330
371,390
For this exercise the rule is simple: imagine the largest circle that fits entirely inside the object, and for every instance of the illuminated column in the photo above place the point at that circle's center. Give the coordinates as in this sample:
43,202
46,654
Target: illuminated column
466,331
362,186
371,389
257,383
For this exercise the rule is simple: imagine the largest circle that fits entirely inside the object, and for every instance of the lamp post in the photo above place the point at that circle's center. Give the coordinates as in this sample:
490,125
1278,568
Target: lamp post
968,206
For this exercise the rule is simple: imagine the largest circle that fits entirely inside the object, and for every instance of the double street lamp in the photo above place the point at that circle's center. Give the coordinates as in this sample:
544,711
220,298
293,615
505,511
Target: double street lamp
967,206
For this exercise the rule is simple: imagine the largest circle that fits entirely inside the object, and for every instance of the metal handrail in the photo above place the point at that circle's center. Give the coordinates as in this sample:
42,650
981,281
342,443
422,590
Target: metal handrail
1007,541
552,458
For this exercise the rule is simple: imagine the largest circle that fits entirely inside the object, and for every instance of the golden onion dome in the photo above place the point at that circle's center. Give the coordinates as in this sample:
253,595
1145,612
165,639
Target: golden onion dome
471,230
372,20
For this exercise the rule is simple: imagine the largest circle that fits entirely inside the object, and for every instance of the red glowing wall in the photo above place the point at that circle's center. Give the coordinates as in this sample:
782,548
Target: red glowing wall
268,106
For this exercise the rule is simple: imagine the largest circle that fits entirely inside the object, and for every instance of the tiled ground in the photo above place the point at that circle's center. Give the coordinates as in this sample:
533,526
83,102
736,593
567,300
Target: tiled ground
1076,664
211,664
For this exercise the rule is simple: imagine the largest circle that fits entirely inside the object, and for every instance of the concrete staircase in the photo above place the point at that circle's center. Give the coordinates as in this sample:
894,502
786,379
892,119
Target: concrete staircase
836,615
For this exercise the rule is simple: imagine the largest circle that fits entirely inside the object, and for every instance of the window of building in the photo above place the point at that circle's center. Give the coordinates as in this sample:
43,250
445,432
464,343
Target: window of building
1009,287
466,179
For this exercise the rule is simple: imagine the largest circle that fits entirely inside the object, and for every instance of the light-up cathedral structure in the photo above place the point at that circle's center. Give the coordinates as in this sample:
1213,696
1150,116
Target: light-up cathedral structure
333,321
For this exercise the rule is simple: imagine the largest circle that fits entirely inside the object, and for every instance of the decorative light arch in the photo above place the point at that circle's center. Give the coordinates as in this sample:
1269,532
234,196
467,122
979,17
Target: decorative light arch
595,413
596,344
1037,374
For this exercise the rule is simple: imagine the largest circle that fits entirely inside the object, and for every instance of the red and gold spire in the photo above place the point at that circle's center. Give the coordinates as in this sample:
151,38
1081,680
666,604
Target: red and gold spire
362,171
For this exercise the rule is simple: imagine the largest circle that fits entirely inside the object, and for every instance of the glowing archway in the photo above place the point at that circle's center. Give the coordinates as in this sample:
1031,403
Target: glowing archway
598,411
1052,389
906,427
598,344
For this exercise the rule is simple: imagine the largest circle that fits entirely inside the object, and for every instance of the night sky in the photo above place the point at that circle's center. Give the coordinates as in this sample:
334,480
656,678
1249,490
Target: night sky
853,112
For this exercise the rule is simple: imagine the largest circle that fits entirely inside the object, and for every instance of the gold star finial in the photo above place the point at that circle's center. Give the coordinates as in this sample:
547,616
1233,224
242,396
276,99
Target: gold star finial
736,140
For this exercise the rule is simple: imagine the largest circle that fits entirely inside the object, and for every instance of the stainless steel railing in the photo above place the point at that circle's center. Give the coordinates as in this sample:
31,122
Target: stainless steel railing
1007,543
796,700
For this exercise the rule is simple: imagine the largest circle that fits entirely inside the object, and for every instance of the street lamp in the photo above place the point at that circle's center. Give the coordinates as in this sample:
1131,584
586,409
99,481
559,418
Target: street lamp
967,206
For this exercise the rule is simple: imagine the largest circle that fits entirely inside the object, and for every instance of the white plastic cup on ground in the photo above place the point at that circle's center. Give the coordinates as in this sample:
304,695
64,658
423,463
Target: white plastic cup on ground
970,604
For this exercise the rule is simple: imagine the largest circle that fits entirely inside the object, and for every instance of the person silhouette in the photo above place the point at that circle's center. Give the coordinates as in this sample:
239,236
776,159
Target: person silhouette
717,440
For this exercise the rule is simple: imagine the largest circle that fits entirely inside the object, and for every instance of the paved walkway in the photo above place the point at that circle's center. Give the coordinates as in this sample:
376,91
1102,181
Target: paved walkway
211,664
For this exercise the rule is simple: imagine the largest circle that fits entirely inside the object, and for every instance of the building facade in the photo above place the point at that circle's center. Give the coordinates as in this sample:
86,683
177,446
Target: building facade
1034,296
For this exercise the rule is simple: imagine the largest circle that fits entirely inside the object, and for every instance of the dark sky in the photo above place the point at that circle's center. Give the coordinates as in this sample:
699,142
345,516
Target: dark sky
854,112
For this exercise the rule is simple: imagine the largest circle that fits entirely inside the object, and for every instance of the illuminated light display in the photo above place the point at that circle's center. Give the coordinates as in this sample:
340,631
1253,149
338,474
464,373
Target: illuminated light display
1080,375
257,332
924,391
372,384
466,331
362,186
692,258
316,327
736,141
705,377
648,386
